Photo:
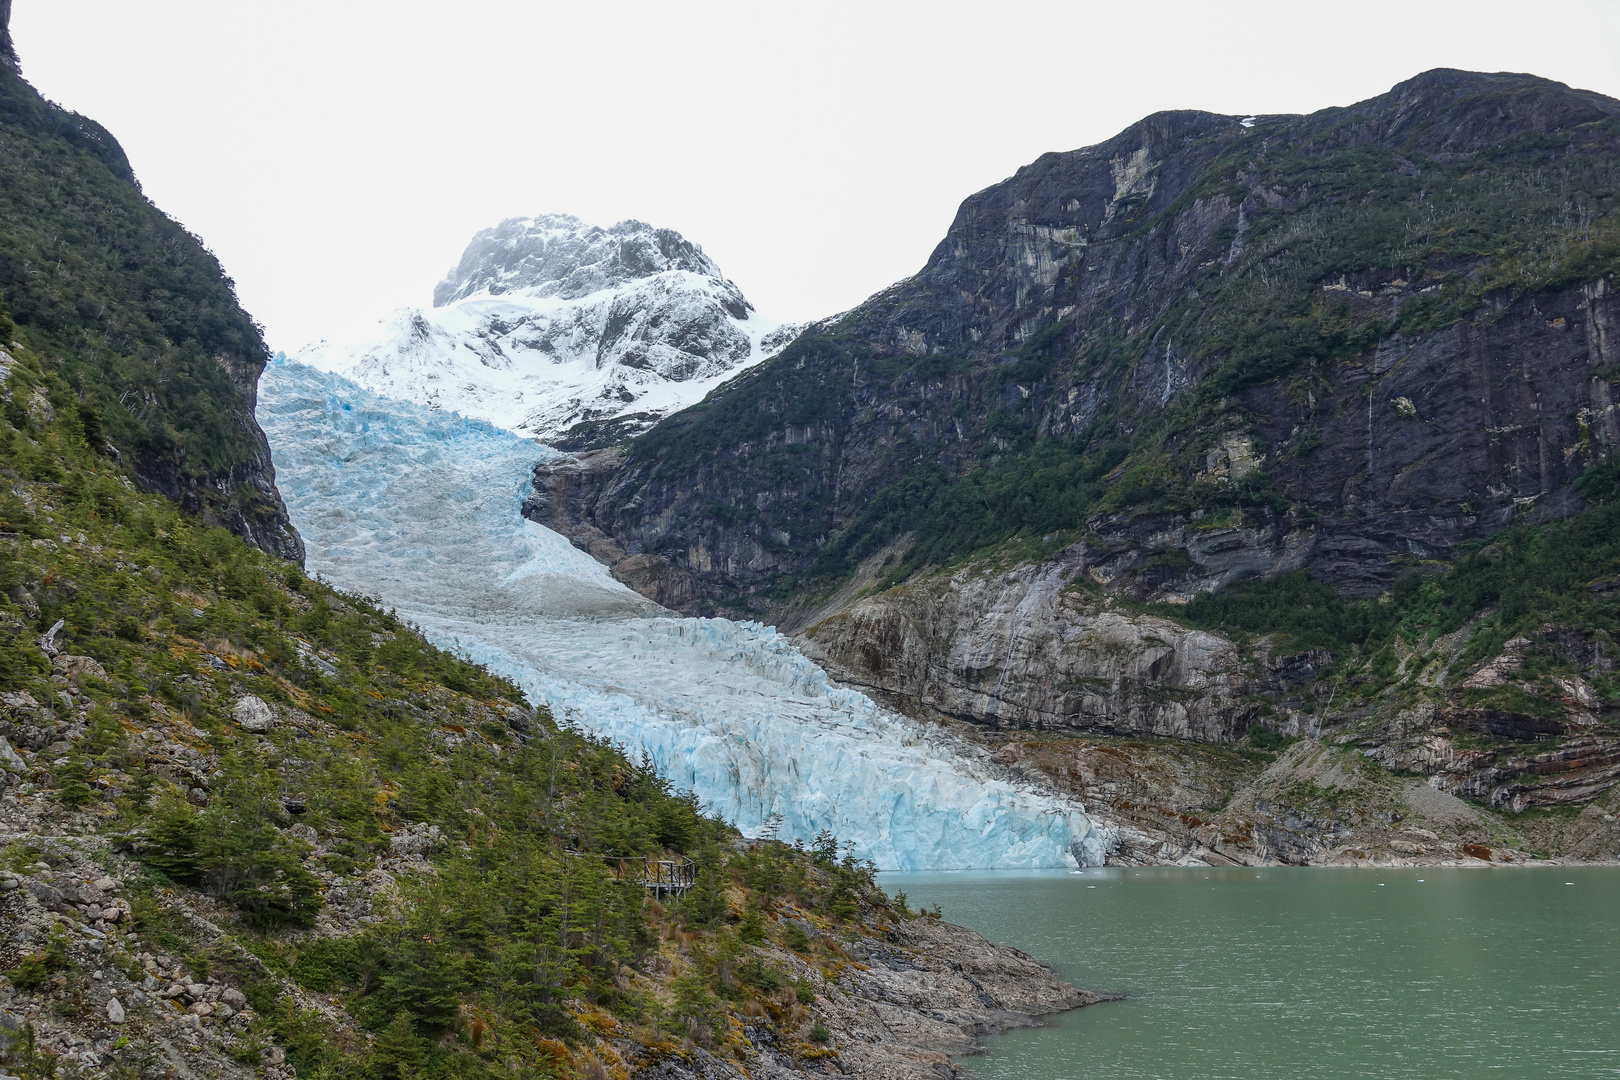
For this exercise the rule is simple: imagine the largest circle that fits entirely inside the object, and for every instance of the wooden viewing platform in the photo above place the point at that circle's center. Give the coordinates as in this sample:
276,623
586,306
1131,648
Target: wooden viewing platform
664,877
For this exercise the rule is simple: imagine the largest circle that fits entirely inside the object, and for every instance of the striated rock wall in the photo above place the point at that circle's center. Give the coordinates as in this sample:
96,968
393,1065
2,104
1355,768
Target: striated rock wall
1030,647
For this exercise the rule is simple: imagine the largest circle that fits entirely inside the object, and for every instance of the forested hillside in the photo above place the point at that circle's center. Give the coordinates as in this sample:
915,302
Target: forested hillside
135,315
249,825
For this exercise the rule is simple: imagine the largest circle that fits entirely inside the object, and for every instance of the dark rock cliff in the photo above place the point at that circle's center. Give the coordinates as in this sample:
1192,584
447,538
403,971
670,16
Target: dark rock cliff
1212,349
1340,341
135,314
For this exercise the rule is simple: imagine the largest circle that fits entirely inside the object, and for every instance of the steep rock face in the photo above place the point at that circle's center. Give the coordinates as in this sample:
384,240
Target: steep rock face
1215,297
1210,350
1025,648
136,314
569,333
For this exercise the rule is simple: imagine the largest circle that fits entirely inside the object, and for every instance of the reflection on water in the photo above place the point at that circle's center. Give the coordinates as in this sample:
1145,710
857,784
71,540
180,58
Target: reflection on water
1289,973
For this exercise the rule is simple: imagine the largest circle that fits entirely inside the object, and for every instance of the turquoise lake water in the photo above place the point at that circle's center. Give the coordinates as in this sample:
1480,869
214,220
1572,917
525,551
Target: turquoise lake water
1306,973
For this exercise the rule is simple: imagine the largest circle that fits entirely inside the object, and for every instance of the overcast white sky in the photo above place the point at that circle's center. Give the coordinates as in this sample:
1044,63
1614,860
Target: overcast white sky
338,154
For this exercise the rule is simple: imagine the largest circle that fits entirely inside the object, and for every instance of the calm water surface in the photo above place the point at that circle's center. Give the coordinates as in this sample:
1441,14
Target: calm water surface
1291,973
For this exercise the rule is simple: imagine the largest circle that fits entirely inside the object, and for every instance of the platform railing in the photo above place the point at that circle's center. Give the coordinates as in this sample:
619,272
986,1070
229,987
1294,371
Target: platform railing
664,877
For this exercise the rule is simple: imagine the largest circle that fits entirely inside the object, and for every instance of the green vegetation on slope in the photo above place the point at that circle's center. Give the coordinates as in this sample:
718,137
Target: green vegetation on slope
1565,575
136,316
511,947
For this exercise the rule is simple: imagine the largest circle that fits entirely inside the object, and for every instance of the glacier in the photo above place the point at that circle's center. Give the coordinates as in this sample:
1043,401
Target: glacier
548,322
419,509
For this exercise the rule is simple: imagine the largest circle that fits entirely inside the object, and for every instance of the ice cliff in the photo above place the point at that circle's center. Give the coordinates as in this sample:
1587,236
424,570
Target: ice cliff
547,322
420,508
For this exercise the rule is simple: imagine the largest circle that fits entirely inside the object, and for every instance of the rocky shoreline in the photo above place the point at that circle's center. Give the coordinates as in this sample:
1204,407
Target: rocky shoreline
913,998
928,991
1315,802
905,1001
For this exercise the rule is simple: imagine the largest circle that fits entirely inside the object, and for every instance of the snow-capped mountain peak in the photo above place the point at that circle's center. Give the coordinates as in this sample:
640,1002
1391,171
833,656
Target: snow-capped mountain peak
547,323
559,255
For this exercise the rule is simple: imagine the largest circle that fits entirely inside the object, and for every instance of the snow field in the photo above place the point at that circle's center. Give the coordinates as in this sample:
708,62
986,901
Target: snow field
548,321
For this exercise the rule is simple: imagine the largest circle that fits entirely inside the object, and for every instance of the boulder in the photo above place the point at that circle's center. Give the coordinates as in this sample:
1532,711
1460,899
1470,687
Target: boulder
253,715
19,700
77,667
47,895
83,892
10,759
414,840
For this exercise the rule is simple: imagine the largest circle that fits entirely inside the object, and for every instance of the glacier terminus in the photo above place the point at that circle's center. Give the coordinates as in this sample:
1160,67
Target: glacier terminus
419,508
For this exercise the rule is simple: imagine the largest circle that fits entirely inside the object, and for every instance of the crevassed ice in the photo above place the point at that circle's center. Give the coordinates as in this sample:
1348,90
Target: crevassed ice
420,509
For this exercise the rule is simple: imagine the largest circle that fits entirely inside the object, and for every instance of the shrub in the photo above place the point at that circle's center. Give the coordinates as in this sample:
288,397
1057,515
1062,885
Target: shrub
36,968
794,938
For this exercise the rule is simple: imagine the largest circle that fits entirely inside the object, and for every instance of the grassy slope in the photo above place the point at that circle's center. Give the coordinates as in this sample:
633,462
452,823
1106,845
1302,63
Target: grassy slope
505,956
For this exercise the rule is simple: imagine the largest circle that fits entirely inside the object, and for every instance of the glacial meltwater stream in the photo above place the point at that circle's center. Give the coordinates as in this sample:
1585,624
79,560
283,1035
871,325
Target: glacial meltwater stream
1288,973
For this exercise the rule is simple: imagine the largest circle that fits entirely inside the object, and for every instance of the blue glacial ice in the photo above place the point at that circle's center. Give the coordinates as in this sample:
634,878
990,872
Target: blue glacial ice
419,509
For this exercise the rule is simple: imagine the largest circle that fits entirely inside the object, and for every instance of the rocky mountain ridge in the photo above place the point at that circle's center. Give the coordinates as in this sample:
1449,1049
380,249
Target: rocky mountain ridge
558,255
1386,413
1199,360
565,332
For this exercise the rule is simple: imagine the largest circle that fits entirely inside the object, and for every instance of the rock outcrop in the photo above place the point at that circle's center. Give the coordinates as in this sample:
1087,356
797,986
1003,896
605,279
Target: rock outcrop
1034,647
914,996
1313,803
928,990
